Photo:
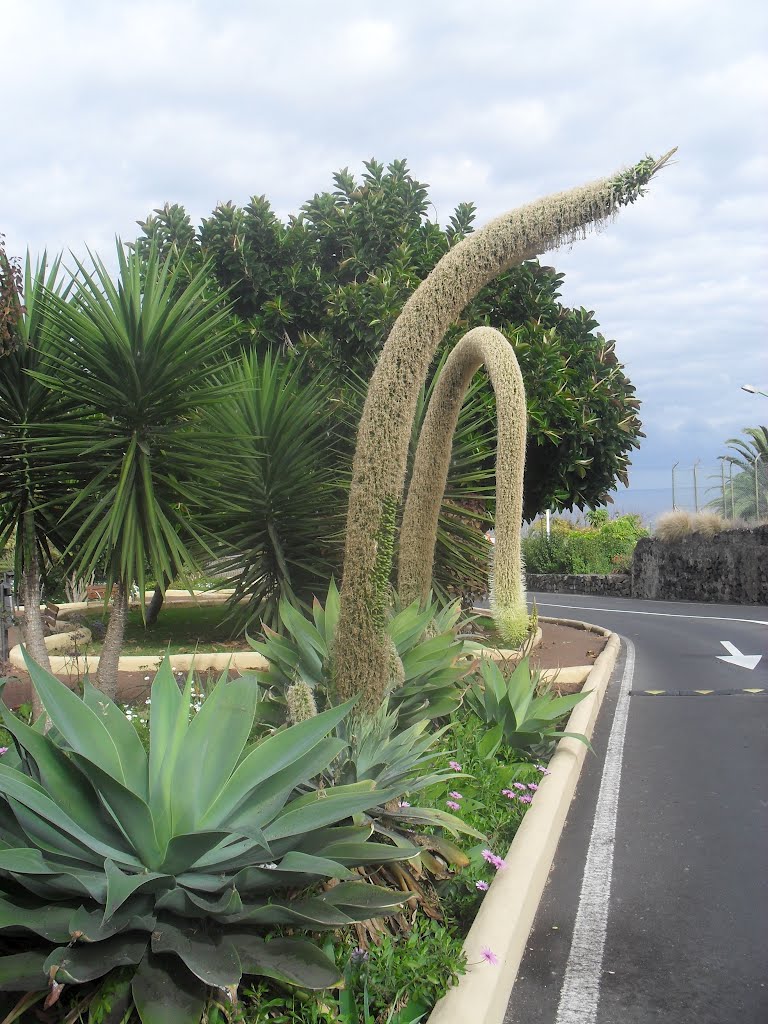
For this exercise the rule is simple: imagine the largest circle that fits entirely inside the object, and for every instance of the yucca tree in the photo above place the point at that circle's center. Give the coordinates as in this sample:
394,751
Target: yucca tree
34,486
273,516
139,356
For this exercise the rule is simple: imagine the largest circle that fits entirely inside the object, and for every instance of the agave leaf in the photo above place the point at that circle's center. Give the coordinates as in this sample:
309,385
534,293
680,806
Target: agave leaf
89,925
165,992
291,961
284,749
94,960
23,972
310,642
132,754
308,864
184,903
324,808
51,923
312,914
363,895
130,811
214,963
168,724
355,854
436,817
185,851
80,726
551,708
62,780
121,886
20,787
210,751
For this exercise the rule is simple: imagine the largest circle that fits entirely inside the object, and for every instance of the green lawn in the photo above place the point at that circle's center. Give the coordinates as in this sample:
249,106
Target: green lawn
180,629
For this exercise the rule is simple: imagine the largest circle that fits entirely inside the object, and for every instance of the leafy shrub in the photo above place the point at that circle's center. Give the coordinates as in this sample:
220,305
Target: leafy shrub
175,863
513,711
592,548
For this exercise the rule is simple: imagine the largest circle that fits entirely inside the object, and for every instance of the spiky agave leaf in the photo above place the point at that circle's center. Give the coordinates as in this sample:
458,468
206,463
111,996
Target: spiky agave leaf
175,862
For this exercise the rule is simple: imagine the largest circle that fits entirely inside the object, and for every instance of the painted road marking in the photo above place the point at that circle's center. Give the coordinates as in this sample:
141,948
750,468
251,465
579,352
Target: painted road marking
735,657
663,615
753,691
580,993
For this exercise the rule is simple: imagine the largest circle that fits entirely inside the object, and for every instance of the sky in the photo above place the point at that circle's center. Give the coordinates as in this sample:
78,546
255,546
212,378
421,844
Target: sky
113,109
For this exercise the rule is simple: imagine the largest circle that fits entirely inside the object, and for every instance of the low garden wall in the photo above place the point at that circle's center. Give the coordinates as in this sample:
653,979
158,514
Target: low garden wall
730,567
613,585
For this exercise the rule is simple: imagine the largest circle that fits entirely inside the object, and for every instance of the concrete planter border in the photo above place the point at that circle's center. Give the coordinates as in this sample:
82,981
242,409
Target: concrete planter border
509,907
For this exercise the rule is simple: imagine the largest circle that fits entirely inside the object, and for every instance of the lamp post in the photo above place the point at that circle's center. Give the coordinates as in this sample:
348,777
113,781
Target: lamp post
753,390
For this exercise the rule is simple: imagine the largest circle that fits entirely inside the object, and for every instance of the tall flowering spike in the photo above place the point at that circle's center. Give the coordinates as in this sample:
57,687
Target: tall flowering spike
481,346
379,466
301,703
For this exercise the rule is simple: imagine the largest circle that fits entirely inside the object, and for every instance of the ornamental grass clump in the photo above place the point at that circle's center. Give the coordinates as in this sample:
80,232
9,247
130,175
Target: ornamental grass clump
177,864
383,436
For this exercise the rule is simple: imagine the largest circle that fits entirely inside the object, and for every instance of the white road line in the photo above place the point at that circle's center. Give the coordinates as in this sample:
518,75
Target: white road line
664,615
580,993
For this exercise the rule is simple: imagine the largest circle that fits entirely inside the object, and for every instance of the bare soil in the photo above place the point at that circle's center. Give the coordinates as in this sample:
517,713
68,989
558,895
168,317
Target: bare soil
561,647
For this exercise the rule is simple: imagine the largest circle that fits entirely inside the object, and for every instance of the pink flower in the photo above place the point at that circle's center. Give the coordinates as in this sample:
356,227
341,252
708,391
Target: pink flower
509,793
533,786
526,798
453,805
482,886
455,795
519,785
3,750
489,956
454,765
542,769
494,859
403,803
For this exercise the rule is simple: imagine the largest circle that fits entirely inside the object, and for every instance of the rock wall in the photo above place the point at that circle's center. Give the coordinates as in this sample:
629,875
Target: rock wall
613,585
729,567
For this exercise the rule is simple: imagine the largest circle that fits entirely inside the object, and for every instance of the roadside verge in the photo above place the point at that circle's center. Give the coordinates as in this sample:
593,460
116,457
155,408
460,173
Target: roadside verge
508,909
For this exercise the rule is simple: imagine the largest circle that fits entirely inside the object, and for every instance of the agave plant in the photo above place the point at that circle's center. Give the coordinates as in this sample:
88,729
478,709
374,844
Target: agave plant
176,862
427,659
515,714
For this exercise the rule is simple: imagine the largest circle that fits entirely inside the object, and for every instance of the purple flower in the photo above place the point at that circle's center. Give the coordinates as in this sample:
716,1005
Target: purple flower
494,859
533,786
454,765
509,793
456,796
519,785
489,956
526,798
3,750
403,803
359,955
453,805
542,769
482,886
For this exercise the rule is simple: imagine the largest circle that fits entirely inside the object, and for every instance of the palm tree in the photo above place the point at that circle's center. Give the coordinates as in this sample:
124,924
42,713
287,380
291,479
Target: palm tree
744,493
139,357
34,485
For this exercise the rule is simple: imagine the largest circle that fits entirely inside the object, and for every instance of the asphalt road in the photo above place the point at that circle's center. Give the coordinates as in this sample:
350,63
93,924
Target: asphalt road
669,922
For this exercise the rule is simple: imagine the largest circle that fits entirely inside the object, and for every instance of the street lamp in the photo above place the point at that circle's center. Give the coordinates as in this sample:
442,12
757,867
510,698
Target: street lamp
753,390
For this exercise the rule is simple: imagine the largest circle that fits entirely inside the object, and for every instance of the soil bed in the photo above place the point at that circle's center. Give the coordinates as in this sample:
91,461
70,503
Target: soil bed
561,647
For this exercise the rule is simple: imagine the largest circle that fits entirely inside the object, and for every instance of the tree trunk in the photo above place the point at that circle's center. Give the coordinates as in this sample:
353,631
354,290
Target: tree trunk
33,631
153,609
106,675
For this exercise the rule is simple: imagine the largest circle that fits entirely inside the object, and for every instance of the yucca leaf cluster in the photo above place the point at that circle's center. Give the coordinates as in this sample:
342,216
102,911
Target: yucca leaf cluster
177,863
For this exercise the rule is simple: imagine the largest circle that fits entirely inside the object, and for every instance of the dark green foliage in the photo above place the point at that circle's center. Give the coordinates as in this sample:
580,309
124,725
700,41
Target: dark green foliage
11,306
744,493
334,279
273,518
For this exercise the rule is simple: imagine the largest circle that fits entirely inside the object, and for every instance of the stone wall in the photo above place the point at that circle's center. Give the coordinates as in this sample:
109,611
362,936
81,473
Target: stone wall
731,567
614,585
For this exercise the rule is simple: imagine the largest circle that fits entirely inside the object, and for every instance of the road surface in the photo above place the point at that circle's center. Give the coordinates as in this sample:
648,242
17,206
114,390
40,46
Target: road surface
669,922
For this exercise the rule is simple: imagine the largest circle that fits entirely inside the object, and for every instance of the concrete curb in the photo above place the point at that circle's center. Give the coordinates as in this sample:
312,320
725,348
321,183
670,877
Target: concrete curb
508,909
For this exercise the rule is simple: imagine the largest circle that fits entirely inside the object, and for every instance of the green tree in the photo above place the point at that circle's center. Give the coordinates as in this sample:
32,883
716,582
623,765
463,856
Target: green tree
138,356
745,493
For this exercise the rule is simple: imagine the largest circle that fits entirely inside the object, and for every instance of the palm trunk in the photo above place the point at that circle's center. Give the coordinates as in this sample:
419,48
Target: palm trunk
153,609
31,593
106,675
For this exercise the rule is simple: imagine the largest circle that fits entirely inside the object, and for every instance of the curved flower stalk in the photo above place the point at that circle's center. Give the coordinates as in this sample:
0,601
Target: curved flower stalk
483,345
382,444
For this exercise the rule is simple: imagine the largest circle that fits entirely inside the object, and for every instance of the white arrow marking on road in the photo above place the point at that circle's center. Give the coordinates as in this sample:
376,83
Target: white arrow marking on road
735,657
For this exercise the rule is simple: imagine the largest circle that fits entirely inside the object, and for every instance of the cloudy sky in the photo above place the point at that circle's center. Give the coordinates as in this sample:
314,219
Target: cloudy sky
112,109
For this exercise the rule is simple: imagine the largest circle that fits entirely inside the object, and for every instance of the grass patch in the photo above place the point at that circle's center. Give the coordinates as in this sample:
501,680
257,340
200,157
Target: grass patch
180,629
